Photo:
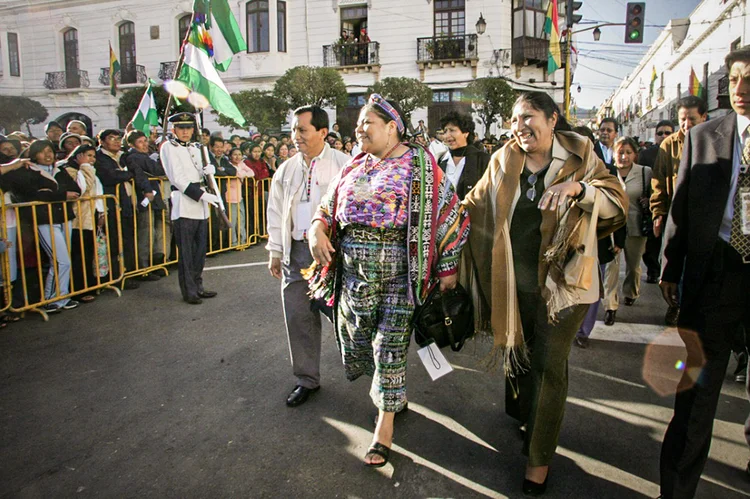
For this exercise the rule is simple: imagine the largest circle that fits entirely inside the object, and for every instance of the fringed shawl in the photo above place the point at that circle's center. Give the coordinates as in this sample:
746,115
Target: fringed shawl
489,252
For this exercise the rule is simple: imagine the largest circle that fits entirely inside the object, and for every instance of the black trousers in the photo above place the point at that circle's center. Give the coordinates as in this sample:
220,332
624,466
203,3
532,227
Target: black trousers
127,224
191,237
651,257
708,328
83,259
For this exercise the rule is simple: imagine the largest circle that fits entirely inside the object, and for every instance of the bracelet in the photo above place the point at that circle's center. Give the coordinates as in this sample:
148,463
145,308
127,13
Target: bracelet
581,194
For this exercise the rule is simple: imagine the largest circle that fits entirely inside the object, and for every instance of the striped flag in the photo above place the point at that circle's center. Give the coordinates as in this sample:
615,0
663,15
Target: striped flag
146,116
653,80
216,31
552,30
200,75
695,87
114,67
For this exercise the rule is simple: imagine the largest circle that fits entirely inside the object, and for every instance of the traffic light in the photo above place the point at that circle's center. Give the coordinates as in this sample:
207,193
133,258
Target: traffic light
634,17
570,17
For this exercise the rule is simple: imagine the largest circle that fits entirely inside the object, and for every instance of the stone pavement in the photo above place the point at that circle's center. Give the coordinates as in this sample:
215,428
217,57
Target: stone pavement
145,396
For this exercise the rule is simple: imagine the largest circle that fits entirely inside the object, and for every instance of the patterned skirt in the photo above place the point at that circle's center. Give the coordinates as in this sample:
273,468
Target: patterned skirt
374,312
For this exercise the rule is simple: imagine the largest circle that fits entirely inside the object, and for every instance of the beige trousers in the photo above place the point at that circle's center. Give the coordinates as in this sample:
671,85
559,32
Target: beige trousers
635,246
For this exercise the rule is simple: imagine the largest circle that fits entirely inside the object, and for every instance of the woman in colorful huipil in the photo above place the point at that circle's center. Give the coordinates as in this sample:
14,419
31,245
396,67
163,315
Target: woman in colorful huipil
400,230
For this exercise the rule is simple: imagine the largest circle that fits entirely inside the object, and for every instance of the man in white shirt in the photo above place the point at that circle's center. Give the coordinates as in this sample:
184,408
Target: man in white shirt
296,190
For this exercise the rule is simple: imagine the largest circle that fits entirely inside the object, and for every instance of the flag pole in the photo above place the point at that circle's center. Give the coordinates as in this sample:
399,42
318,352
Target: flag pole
177,69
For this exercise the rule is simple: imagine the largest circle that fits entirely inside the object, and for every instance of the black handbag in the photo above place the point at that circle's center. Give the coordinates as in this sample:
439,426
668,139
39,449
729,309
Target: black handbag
445,318
647,219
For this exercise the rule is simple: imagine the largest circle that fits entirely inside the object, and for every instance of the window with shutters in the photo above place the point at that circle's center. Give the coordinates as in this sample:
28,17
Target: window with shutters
70,49
281,26
128,72
14,57
257,26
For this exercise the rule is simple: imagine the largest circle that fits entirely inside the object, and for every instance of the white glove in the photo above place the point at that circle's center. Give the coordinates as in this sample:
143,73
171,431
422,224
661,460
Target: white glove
211,199
209,169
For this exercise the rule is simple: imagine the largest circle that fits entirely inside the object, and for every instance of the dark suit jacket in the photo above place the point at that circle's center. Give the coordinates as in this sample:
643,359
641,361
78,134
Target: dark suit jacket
600,154
698,205
647,156
474,167
604,248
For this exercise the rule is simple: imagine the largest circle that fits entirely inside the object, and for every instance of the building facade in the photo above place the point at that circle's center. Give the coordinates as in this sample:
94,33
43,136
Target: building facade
696,44
57,51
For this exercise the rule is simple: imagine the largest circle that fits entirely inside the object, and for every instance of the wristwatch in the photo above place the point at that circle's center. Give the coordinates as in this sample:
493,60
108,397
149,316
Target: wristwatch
581,194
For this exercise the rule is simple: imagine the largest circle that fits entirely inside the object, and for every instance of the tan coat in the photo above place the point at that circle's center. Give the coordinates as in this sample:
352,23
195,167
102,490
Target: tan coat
665,173
490,206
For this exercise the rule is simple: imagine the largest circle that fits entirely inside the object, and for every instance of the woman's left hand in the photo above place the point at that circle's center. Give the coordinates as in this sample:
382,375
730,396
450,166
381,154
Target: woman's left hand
448,282
559,195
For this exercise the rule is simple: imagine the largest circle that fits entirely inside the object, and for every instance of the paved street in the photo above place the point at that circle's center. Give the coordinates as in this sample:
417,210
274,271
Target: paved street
145,396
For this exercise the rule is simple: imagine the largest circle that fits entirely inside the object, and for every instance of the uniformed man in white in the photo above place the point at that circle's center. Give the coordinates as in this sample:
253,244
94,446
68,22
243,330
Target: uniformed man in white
296,190
183,164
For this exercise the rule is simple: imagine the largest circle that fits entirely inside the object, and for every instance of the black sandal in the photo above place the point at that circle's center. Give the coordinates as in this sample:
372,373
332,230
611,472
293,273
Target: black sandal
378,449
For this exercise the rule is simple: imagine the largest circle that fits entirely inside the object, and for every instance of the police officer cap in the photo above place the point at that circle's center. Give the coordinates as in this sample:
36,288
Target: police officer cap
182,120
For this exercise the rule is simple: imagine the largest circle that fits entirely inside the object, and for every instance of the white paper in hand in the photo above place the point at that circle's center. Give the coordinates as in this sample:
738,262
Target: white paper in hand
434,361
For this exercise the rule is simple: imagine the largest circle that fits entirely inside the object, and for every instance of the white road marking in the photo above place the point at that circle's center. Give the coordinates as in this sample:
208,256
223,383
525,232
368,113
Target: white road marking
637,333
239,265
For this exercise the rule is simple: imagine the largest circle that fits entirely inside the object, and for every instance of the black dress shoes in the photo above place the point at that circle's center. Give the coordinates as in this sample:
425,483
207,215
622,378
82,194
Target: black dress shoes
609,317
629,302
194,301
299,395
207,294
534,489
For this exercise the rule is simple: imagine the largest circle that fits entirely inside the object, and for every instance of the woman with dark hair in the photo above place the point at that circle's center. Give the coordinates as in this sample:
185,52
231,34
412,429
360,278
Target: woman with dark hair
282,153
463,163
531,213
270,159
636,180
90,215
43,181
399,230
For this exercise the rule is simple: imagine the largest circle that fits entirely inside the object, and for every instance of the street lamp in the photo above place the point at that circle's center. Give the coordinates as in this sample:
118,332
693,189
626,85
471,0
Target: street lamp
597,34
481,25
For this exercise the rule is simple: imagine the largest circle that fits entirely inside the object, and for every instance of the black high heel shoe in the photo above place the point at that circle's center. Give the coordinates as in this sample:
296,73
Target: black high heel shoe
534,489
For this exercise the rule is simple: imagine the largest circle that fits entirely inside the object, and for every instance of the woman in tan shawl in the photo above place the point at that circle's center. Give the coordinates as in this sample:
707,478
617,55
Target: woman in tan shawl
530,215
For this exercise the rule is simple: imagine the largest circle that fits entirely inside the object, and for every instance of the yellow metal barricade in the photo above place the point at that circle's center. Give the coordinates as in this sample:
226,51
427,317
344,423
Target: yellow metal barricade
151,233
237,194
5,257
56,241
260,223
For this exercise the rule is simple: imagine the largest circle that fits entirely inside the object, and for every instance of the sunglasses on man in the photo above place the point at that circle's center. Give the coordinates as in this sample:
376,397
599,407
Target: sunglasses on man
663,133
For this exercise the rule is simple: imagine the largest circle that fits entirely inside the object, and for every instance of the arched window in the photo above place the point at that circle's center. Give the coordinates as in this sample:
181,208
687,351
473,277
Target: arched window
183,26
128,73
70,50
257,26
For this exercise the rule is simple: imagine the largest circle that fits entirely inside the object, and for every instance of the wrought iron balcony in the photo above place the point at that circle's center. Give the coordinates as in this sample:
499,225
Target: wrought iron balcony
722,93
166,70
126,75
67,79
341,55
447,48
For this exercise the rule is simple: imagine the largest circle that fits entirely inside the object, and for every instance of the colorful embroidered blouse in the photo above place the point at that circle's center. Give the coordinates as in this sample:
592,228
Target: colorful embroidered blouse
376,193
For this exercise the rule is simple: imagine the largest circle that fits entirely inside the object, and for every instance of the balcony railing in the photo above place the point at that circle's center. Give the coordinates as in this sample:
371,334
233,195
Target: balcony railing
67,79
166,70
351,54
447,48
722,93
126,75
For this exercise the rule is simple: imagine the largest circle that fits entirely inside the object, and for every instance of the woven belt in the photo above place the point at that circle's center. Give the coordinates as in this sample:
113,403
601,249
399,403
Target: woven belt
375,234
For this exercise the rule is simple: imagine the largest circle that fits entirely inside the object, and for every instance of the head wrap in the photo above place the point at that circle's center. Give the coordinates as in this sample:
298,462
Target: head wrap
383,104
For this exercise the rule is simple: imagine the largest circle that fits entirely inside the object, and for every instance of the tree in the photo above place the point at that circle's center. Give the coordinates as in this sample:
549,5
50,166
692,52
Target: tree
407,93
492,98
261,109
130,99
305,85
19,111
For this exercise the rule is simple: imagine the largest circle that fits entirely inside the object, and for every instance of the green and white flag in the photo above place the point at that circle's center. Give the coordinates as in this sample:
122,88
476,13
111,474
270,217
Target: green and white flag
199,74
216,29
146,116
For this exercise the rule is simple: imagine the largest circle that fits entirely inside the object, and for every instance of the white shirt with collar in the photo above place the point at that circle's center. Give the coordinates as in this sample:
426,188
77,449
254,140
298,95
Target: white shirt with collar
725,229
453,171
607,153
289,191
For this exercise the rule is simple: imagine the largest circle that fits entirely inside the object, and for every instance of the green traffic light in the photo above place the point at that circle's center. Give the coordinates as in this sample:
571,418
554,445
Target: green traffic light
635,34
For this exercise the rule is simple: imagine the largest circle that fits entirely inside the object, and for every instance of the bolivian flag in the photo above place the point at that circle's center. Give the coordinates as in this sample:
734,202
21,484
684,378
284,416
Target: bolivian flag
114,67
695,87
552,30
